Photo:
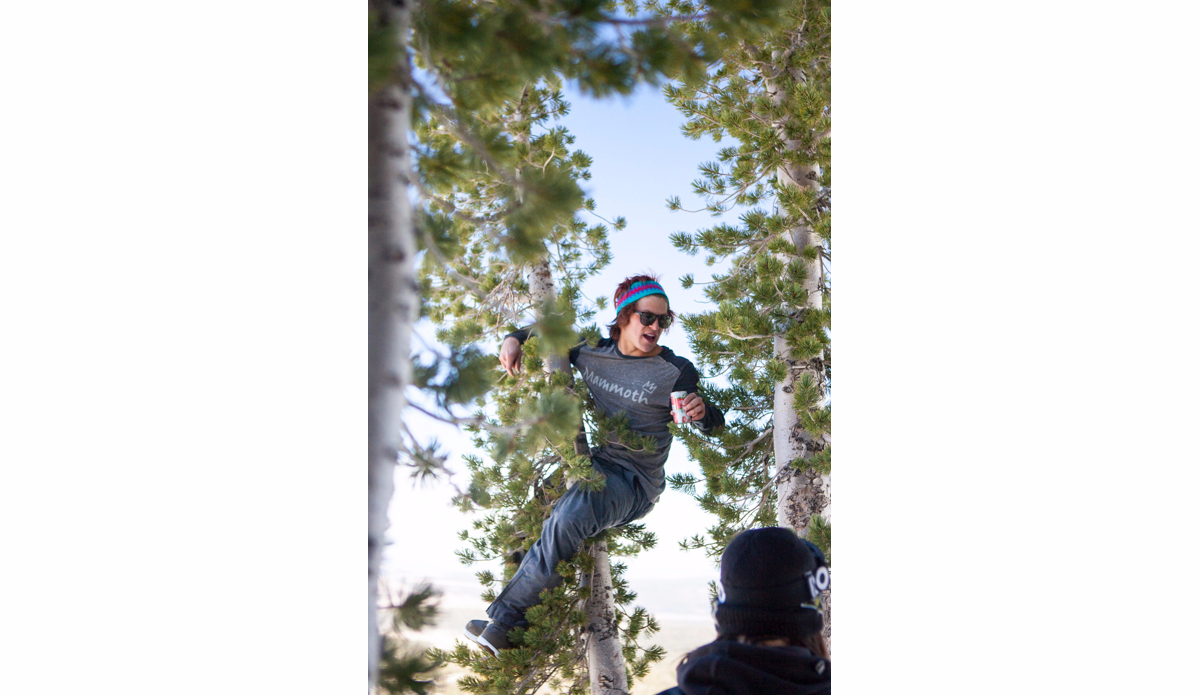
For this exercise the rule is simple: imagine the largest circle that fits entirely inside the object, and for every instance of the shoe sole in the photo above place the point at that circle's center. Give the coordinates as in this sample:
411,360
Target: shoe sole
482,641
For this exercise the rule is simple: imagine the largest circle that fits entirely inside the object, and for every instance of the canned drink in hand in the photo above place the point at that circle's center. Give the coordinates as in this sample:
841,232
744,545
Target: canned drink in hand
677,412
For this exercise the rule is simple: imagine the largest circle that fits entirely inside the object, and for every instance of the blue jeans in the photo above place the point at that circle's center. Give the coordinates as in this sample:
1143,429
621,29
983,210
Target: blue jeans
577,516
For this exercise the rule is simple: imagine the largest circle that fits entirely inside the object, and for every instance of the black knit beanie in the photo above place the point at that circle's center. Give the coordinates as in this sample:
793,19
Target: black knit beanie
770,583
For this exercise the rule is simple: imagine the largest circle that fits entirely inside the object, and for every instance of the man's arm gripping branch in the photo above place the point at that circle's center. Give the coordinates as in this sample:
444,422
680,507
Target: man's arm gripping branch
510,355
510,350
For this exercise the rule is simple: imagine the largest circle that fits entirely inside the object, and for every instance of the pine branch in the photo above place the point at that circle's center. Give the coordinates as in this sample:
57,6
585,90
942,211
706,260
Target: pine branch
445,263
450,118
480,422
454,211
656,21
746,338
750,445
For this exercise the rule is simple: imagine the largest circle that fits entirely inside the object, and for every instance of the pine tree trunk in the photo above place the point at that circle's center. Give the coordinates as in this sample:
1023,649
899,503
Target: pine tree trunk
802,491
392,305
827,615
606,663
542,290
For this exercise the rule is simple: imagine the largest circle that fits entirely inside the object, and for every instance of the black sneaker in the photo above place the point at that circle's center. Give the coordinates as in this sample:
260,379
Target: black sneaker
491,636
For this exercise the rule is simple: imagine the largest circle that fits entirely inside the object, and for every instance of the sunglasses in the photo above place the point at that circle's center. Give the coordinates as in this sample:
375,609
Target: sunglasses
648,319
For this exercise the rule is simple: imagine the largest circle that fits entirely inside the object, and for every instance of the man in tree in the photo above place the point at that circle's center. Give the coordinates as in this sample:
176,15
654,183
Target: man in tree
631,378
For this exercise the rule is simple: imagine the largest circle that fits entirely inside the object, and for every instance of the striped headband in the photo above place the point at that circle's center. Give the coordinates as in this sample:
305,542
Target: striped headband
638,290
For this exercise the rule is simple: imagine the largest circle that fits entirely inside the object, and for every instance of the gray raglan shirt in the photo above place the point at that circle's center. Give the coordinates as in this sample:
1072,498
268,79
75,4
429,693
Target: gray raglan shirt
639,388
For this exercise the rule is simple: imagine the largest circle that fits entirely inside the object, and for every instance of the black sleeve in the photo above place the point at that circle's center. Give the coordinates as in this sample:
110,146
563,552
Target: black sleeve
689,380
522,334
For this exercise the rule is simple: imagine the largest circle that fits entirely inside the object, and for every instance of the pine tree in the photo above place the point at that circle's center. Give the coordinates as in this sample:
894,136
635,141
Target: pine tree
391,279
769,331
470,73
403,668
582,631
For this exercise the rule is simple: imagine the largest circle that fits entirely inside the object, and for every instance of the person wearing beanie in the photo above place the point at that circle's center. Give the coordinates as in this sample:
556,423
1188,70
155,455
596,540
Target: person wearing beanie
768,620
629,374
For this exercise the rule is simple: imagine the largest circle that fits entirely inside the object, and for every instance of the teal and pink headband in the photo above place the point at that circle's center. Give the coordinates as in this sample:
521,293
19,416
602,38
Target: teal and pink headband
638,290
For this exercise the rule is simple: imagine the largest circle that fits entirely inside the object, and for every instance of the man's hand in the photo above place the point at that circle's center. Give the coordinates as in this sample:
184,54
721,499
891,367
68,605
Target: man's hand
510,355
693,405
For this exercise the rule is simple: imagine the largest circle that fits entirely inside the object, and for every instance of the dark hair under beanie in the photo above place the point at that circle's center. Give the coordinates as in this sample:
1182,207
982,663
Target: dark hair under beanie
770,581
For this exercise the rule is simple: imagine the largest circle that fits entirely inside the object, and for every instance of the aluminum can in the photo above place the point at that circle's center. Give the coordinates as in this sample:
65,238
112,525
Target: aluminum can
677,412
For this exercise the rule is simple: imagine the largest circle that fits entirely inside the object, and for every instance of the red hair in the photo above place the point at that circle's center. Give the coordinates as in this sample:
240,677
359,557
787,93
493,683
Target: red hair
614,328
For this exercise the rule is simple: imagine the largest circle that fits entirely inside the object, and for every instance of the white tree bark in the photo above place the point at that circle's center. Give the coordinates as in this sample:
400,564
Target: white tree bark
541,282
392,307
542,290
606,663
802,491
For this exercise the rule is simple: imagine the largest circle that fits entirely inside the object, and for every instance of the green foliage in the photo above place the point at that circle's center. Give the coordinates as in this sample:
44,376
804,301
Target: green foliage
489,229
383,52
403,667
498,195
821,533
405,670
458,378
492,218
770,97
821,462
556,325
418,610
549,649
531,466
